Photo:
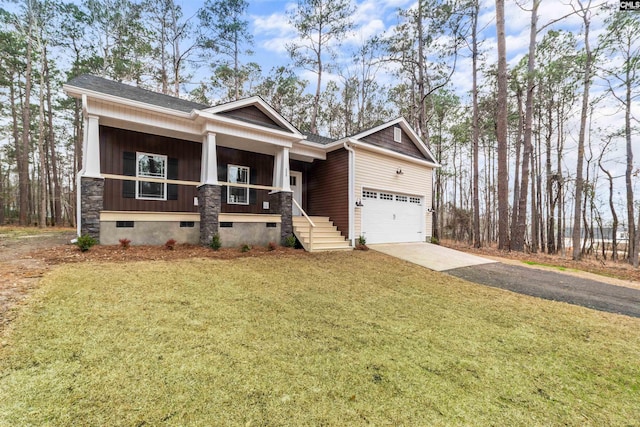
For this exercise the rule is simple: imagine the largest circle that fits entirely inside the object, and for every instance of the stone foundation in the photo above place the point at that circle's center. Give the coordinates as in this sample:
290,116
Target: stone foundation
91,202
209,204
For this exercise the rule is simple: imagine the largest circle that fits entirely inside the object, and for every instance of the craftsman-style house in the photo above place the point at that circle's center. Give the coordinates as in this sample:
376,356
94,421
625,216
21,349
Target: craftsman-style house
156,167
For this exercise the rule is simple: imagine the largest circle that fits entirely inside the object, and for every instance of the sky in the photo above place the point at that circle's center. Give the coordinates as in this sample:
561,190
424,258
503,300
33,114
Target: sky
272,31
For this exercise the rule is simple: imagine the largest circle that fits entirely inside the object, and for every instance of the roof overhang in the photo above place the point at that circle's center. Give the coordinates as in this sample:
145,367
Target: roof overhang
193,125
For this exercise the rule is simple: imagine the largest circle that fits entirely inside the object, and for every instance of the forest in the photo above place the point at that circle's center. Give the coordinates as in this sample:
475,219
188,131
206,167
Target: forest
537,156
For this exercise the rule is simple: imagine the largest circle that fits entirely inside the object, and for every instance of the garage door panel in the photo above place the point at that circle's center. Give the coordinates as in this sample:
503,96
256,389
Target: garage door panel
389,217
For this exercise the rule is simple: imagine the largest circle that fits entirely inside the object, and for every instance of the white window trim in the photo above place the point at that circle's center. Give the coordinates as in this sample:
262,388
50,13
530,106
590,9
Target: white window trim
166,165
229,202
397,134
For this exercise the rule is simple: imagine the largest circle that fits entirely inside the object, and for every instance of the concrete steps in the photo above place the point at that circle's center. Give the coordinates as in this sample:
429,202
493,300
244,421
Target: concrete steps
326,236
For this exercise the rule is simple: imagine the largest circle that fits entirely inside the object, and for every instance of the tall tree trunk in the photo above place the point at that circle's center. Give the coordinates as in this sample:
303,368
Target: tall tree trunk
633,245
23,153
516,167
521,227
575,235
13,102
1,194
316,98
503,172
42,153
550,178
560,246
477,237
57,189
637,242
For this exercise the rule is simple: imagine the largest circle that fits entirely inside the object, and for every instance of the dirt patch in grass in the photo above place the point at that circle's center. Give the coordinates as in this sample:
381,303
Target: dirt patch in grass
617,270
20,269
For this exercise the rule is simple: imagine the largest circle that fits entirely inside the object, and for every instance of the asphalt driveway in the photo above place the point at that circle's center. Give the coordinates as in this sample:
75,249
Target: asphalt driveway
545,284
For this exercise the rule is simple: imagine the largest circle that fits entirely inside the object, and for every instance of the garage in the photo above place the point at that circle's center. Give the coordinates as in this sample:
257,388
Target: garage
389,217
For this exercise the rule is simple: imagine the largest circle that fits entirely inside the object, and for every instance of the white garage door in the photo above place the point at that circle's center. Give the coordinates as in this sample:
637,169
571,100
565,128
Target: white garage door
391,217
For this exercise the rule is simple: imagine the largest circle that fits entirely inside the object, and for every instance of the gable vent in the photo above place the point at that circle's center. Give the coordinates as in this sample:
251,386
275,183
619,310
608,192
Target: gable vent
397,134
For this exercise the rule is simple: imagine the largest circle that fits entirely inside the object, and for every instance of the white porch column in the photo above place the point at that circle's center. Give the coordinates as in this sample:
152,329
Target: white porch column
209,166
277,170
91,159
285,170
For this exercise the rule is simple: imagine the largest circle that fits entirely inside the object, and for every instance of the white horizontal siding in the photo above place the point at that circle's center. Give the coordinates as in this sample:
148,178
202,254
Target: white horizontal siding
378,172
144,120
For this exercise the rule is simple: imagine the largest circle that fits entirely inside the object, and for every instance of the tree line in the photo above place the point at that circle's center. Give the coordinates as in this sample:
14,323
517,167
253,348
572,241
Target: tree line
527,163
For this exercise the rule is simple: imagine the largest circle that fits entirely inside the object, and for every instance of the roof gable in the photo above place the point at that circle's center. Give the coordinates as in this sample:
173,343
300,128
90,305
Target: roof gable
383,136
253,110
252,114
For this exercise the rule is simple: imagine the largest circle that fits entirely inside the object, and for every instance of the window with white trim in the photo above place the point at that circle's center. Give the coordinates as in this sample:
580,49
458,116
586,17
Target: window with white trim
415,200
239,175
151,166
400,198
369,194
385,196
397,134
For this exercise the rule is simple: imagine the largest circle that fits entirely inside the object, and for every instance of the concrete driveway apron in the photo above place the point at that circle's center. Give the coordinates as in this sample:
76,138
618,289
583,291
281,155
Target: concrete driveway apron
434,257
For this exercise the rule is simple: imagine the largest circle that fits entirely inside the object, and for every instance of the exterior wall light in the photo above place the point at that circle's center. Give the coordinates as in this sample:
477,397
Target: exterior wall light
399,171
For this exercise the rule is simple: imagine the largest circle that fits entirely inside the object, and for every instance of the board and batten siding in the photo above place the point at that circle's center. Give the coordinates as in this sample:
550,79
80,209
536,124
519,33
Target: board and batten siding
114,142
252,113
328,189
378,172
260,173
384,139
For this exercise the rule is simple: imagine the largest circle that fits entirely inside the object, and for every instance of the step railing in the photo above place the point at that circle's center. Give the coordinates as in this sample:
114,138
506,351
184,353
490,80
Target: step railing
310,223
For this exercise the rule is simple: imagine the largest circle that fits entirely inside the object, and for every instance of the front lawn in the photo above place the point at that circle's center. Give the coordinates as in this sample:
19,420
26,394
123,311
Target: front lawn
329,339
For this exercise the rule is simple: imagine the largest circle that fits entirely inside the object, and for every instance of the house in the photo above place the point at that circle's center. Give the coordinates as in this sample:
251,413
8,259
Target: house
156,167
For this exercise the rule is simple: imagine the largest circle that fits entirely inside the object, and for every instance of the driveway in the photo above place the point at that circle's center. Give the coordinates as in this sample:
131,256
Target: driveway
545,284
434,257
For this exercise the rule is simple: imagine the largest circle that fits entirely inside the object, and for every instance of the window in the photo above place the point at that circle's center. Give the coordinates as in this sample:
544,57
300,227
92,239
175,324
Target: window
385,196
415,200
400,198
239,175
397,134
293,181
151,166
369,194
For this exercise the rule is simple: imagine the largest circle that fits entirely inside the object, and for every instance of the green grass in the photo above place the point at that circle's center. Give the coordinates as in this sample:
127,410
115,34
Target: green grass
557,267
11,232
329,339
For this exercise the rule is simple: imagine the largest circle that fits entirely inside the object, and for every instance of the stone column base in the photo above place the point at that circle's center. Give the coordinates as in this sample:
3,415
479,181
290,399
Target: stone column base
91,203
209,205
280,203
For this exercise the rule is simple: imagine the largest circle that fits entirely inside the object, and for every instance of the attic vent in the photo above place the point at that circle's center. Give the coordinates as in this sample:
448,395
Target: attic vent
397,134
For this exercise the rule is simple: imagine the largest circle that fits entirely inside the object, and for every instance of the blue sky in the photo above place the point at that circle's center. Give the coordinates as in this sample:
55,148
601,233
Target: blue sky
271,29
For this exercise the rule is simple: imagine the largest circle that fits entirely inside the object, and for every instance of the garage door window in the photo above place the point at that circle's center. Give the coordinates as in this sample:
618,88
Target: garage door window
386,196
369,195
415,200
403,199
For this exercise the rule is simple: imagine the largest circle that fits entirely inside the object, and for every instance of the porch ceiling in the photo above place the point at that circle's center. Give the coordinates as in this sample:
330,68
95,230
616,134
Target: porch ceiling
246,144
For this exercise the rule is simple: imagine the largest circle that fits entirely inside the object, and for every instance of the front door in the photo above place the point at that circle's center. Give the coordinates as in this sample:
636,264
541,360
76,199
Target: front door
295,182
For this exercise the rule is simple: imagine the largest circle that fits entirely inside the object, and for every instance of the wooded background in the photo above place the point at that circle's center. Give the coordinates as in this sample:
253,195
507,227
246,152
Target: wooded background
524,164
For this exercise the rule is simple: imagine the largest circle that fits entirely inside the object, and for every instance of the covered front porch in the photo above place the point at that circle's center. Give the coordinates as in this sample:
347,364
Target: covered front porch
244,194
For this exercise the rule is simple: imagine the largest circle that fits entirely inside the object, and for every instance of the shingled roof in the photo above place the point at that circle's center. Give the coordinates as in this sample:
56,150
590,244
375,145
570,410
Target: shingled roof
312,137
109,87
